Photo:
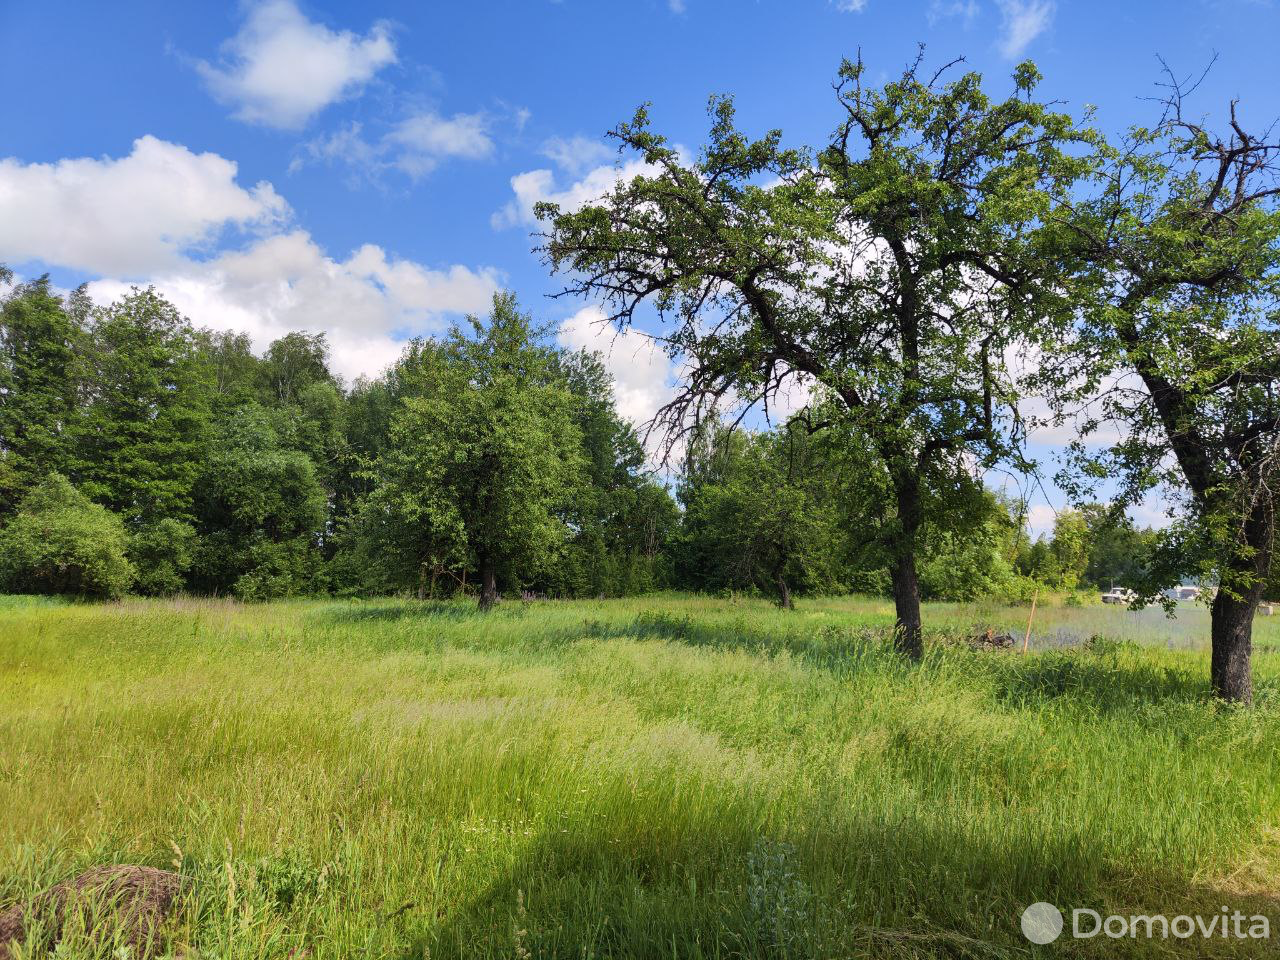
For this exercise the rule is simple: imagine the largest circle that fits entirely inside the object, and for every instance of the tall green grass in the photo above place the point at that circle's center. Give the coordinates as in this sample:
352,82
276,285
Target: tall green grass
666,777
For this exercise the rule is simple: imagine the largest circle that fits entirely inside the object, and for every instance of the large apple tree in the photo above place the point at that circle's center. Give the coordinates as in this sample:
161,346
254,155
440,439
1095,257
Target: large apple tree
894,271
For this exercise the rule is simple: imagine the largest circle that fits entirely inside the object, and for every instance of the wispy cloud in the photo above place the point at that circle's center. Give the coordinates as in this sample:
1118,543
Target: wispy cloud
965,10
415,146
422,141
575,155
1023,21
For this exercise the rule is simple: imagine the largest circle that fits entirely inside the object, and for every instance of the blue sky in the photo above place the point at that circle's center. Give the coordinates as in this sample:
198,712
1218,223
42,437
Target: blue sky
366,169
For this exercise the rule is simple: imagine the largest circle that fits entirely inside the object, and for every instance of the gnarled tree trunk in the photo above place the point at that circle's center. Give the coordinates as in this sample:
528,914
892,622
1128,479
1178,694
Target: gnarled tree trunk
1232,633
1233,610
908,636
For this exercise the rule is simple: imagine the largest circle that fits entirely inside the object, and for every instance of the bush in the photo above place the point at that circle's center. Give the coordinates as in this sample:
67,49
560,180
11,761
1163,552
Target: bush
60,542
1018,590
162,553
278,570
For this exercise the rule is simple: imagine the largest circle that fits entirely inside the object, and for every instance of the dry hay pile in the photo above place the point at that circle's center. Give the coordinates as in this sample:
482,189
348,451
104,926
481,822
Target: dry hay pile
121,905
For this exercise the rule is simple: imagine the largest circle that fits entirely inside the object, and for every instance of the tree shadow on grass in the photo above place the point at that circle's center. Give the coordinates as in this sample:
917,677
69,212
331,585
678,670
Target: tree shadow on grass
829,647
1098,682
393,611
1101,677
904,889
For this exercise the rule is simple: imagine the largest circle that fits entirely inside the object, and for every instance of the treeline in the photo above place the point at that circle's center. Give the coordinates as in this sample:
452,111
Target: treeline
141,454
138,453
793,510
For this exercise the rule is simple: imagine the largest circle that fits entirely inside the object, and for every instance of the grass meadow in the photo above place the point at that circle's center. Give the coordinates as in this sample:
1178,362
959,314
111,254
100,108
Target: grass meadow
666,777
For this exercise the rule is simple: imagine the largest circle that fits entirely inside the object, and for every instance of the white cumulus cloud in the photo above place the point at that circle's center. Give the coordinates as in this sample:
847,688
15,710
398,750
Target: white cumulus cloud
642,373
365,304
131,215
227,256
1023,21
533,186
281,68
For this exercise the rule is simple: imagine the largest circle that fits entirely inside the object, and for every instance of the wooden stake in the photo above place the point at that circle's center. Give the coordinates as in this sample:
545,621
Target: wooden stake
1027,639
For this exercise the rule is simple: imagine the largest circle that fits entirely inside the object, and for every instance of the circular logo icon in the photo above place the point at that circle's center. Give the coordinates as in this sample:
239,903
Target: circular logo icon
1042,923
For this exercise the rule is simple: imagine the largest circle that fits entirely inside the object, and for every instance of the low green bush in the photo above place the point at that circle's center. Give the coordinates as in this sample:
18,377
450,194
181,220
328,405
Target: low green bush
60,542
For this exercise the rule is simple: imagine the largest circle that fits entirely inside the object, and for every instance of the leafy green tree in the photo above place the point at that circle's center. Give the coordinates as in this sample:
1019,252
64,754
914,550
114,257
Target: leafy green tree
646,521
316,425
259,510
758,513
1070,548
1060,560
141,435
977,564
38,387
293,363
621,518
485,461
60,542
234,373
896,269
1118,551
1035,561
1179,297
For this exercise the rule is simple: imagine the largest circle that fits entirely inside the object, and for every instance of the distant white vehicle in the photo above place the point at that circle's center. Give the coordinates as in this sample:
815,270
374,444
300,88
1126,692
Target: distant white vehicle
1119,595
1184,592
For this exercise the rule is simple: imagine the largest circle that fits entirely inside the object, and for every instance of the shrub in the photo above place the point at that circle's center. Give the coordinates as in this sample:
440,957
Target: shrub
61,542
277,570
162,553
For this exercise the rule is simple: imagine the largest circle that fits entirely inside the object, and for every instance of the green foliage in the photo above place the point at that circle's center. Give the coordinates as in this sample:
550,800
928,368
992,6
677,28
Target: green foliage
59,542
759,514
621,519
162,553
38,381
1070,548
294,363
1061,561
968,567
238,473
484,460
140,438
1118,551
259,509
233,372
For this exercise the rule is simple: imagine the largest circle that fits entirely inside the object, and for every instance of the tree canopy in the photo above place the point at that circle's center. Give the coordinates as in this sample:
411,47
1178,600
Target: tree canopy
1178,347
894,271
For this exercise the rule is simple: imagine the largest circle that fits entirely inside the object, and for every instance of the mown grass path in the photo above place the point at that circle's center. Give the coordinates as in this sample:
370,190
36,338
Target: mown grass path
664,777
